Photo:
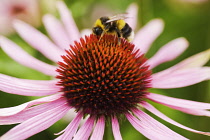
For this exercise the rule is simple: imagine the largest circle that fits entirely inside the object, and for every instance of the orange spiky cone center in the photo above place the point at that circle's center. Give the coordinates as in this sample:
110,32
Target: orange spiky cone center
103,77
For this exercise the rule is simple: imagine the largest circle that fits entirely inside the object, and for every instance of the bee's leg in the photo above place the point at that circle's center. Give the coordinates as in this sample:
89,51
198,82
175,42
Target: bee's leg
119,35
104,31
119,40
102,35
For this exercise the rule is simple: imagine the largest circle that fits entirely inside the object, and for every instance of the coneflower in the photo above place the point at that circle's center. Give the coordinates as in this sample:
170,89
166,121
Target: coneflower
102,80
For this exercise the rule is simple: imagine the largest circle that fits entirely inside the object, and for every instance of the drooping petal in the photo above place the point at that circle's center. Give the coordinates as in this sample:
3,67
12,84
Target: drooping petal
162,99
56,31
17,109
191,107
98,131
197,112
147,125
70,130
28,87
68,22
36,124
181,78
164,117
194,61
84,132
168,52
146,35
19,55
141,128
132,12
28,112
38,40
116,129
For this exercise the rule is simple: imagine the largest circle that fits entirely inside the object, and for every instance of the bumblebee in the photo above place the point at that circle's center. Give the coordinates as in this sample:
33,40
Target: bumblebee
114,25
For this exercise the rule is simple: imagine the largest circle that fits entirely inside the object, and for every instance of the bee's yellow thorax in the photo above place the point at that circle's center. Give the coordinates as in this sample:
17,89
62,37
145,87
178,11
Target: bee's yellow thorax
120,23
99,24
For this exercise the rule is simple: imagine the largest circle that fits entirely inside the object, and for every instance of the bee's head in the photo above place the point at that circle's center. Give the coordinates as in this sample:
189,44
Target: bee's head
97,30
100,25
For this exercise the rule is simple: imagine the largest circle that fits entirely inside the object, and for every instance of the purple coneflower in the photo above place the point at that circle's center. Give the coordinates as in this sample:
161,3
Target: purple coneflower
102,80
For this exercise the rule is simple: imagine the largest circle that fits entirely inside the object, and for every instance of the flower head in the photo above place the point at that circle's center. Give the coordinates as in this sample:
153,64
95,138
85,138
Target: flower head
100,79
99,74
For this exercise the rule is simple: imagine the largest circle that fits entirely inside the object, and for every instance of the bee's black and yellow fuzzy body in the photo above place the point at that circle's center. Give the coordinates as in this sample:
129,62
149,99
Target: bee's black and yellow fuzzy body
113,25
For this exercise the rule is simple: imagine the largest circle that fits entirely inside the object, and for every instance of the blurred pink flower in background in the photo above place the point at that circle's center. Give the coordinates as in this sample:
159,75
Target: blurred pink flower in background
38,115
26,10
194,1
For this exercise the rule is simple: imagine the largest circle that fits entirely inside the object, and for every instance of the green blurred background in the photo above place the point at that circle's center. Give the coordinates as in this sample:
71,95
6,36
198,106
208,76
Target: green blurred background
182,19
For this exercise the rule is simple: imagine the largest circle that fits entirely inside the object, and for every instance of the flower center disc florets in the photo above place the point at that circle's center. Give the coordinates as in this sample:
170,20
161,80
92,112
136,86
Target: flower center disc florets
103,76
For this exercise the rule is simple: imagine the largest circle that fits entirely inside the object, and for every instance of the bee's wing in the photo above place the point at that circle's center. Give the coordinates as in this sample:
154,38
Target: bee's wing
117,17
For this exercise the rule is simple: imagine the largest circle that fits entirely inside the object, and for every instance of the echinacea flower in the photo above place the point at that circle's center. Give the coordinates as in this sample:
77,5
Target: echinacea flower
26,10
102,80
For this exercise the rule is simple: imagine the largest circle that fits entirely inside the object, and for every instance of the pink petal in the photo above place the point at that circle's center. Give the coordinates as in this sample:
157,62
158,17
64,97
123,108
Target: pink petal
142,128
116,129
194,61
164,117
168,52
70,115
98,131
197,112
28,112
177,102
24,58
56,31
132,11
191,107
145,37
70,130
84,132
149,125
38,40
181,78
17,109
36,124
28,87
68,22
